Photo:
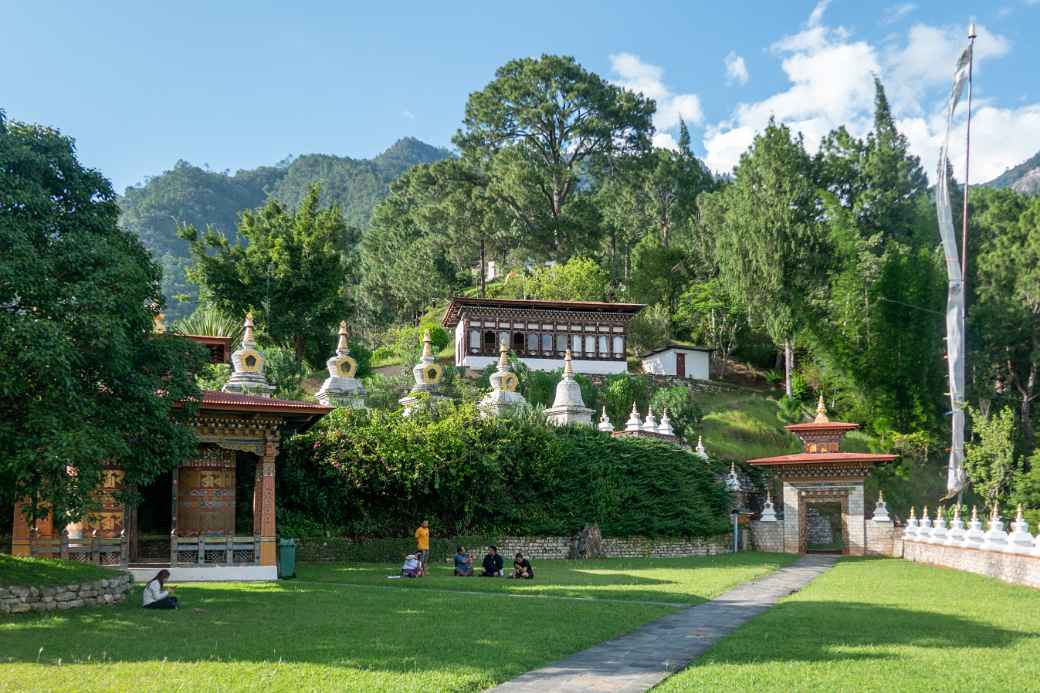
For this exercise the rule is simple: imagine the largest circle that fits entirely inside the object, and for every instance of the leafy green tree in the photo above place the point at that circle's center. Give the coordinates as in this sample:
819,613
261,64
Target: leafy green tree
991,460
536,129
711,316
1004,322
768,239
83,379
291,272
578,279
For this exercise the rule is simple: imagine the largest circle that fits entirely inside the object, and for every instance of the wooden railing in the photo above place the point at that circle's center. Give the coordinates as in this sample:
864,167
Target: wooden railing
112,551
214,550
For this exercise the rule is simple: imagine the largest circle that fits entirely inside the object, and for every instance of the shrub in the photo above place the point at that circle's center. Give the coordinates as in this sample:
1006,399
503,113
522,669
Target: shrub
683,411
375,473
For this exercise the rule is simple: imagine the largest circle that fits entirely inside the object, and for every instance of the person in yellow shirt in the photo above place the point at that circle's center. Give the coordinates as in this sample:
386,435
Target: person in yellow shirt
422,545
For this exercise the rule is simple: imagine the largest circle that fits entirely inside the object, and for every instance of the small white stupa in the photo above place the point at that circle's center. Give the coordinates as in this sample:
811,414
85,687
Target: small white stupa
635,421
569,407
604,423
665,427
699,450
768,511
341,388
881,509
427,374
1020,539
247,367
503,398
650,423
732,479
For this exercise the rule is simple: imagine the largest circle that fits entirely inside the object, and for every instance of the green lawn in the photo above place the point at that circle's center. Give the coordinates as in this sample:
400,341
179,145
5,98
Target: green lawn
41,571
339,628
882,625
676,580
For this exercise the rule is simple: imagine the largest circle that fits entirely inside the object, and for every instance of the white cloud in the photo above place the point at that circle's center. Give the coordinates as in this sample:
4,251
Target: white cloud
648,80
407,115
893,14
831,83
736,69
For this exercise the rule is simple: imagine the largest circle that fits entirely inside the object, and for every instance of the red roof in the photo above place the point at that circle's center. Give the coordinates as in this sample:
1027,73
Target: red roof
811,426
451,315
817,457
229,401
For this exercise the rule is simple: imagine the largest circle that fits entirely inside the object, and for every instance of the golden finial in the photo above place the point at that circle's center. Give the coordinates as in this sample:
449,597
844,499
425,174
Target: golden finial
995,515
924,513
881,496
159,323
568,367
247,336
974,513
503,356
1019,517
957,512
427,348
938,513
913,515
821,412
344,334
634,410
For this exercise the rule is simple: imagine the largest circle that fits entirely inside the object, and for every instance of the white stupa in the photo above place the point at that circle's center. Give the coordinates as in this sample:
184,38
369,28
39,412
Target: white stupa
604,422
568,406
341,388
427,375
503,398
247,367
635,421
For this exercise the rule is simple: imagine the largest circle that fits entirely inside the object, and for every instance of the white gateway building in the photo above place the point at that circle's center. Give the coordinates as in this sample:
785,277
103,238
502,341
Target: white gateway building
540,332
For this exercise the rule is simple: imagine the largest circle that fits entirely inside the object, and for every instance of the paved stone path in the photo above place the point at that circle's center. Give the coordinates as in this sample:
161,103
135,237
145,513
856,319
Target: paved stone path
642,659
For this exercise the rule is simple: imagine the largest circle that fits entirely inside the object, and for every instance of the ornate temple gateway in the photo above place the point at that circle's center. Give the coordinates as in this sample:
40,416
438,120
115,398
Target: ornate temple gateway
193,521
820,482
541,332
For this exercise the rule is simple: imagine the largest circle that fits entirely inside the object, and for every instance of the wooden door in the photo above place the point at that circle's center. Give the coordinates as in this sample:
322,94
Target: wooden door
680,365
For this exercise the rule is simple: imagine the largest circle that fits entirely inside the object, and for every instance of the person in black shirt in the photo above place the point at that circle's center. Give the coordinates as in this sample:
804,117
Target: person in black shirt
492,564
522,569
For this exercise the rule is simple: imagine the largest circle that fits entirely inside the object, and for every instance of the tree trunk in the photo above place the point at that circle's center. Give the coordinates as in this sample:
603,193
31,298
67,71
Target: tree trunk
483,269
298,347
788,365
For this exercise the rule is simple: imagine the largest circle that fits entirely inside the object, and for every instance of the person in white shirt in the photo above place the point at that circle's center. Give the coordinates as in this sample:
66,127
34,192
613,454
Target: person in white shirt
155,595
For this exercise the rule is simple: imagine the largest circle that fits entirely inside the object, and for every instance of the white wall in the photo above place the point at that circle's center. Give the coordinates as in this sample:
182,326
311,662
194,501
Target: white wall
580,365
663,363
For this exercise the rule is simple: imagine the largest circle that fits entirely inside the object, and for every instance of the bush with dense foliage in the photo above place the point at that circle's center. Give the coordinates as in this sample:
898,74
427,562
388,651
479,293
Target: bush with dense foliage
376,473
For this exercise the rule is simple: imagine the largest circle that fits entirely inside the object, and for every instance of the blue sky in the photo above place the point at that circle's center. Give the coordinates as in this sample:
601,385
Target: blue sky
240,84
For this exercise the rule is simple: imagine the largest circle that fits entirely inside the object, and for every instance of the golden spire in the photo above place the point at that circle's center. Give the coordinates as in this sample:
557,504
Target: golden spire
427,348
247,336
503,356
344,334
995,515
881,496
912,515
938,513
821,412
924,513
957,512
568,367
1019,517
974,513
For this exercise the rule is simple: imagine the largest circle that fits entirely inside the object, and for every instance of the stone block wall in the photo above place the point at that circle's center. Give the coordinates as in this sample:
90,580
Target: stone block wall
1018,568
767,536
883,539
17,599
536,548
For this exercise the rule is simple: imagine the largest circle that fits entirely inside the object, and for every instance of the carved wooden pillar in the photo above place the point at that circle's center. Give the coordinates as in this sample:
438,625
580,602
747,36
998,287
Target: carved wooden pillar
264,502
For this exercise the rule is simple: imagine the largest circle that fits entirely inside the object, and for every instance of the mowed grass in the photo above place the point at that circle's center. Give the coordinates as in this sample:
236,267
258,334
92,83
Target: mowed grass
882,625
321,632
19,570
675,580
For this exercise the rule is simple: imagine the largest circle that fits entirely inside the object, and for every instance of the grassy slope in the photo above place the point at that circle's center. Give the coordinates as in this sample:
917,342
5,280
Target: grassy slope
40,571
310,635
882,625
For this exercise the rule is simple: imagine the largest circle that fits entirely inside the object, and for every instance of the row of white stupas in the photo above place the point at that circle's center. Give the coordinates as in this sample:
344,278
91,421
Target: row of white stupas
954,533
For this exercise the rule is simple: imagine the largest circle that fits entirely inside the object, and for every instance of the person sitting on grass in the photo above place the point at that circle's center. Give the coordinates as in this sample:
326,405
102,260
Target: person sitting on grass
463,563
411,566
522,569
492,564
156,595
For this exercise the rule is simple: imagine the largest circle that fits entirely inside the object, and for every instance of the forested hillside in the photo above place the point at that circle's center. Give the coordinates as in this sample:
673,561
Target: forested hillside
1024,178
188,194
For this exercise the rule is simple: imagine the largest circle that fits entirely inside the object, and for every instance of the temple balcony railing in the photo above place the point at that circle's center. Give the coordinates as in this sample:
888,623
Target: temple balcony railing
107,551
214,550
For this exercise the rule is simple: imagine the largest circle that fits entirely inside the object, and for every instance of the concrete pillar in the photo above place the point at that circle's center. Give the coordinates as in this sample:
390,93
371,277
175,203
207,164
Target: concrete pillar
792,514
856,522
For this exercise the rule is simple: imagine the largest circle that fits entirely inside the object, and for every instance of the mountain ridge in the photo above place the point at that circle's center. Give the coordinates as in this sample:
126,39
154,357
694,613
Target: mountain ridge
1023,178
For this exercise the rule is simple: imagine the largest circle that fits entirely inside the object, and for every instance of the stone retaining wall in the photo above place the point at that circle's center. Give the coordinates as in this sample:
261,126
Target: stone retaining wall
537,548
767,536
17,599
1018,568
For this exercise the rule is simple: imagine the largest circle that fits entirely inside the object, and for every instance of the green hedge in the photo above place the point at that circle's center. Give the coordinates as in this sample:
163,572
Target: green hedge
377,473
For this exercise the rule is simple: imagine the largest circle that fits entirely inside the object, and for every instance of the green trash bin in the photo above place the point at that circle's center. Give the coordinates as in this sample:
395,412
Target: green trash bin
286,558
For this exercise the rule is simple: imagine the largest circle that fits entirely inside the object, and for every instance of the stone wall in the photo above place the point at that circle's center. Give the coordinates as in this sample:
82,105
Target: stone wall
767,536
883,539
537,548
16,599
1018,568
